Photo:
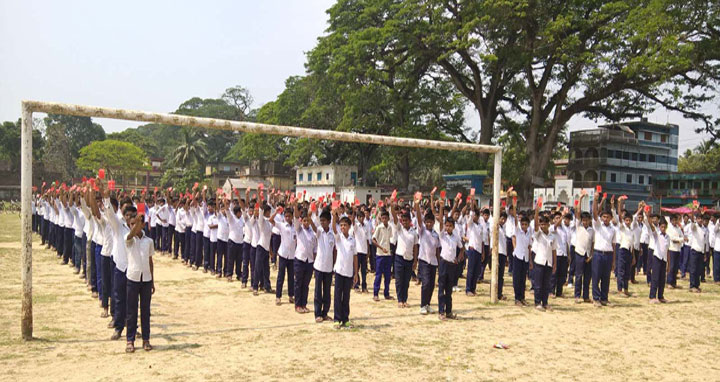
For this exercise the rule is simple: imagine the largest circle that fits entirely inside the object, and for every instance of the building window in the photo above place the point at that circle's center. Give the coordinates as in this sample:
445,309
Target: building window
610,153
675,184
626,155
319,176
300,177
613,177
648,136
628,178
651,158
578,154
309,177
618,154
682,185
634,156
641,179
643,158
663,138
603,176
696,185
327,176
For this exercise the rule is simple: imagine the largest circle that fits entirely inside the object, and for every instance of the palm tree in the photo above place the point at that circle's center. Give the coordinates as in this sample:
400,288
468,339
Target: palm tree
192,149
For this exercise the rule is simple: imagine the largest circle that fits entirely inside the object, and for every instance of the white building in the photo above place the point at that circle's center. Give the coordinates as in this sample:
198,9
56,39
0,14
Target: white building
318,181
564,193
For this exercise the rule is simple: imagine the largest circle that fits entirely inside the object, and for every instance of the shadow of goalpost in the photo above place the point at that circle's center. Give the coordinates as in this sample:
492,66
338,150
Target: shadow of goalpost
30,107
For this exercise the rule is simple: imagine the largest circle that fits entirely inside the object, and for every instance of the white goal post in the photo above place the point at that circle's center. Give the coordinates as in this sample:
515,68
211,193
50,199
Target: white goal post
30,107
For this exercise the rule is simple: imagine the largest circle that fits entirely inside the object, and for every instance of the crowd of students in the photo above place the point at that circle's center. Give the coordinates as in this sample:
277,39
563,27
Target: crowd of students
429,240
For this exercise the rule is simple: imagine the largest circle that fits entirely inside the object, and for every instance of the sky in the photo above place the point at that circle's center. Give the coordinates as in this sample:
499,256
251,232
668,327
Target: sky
154,55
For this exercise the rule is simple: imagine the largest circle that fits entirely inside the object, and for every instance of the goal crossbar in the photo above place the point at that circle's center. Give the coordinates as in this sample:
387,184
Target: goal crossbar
29,107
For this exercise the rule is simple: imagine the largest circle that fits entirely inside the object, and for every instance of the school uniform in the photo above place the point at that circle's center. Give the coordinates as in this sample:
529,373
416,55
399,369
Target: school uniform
306,241
179,233
543,247
139,285
583,250
602,259
502,256
344,272
685,251
661,243
79,240
248,262
520,259
155,233
187,250
447,269
68,233
235,244
323,267
637,249
172,221
286,258
698,241
711,229
107,264
427,263
474,254
675,235
485,229
625,243
407,239
361,245
646,257
208,248
275,237
120,231
262,254
88,232
163,216
557,280
383,258
716,252
223,235
369,229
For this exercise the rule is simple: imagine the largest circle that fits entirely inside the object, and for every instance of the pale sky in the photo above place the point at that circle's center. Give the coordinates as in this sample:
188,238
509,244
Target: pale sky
153,55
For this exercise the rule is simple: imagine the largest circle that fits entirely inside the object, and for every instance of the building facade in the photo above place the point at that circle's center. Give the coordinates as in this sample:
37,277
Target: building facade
623,158
318,181
677,190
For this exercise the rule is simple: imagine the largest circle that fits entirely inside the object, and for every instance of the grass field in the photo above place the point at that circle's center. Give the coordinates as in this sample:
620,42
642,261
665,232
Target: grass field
205,329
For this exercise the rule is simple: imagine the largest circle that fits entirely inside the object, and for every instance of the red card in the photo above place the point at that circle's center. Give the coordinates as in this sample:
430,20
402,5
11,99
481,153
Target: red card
433,190
503,203
111,185
577,202
472,191
559,205
260,186
304,192
313,207
604,195
514,199
647,208
380,203
335,204
195,186
696,203
321,198
459,195
334,195
418,195
357,202
279,210
156,190
598,188
442,194
84,179
540,201
469,198
101,173
394,195
141,208
237,193
144,191
257,206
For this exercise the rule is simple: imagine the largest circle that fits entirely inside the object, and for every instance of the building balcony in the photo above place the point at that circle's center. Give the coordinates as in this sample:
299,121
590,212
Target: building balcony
598,137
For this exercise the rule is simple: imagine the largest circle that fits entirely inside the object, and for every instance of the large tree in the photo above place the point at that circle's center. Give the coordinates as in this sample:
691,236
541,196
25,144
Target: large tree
191,151
10,144
116,157
81,131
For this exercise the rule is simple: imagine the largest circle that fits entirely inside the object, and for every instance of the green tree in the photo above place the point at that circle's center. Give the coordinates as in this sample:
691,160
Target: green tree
57,159
10,144
182,178
116,157
704,158
81,131
192,149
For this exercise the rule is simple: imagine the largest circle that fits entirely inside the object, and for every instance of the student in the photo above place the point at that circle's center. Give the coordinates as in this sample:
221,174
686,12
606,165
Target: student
361,242
583,252
286,253
172,221
178,232
104,236
262,250
716,250
211,226
188,250
661,240
522,240
369,229
448,266
236,223
676,239
502,253
346,271
140,280
155,230
485,227
248,267
323,266
625,232
120,230
306,232
475,251
698,241
604,252
712,227
381,241
223,235
685,251
543,258
428,255
559,228
406,254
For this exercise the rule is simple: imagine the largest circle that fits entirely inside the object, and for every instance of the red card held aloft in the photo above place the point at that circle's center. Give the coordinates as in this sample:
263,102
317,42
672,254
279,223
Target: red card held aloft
195,186
335,204
101,173
394,195
598,188
357,201
111,185
577,202
540,201
472,191
141,208
647,208
459,195
442,194
313,206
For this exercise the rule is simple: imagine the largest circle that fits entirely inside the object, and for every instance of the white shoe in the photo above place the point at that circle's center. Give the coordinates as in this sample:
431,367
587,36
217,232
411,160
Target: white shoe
424,310
429,309
455,289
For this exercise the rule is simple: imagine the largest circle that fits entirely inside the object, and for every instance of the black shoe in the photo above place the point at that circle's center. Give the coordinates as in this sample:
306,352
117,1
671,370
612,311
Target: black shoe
116,335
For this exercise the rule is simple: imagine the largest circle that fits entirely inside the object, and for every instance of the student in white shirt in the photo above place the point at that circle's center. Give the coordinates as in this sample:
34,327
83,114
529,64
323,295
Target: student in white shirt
428,255
521,240
543,259
286,254
698,241
305,249
140,281
263,228
448,267
346,271
502,253
584,235
676,240
475,251
625,227
661,240
406,252
361,245
223,235
323,266
716,248
559,228
604,252
236,223
383,259
485,228
249,244
211,227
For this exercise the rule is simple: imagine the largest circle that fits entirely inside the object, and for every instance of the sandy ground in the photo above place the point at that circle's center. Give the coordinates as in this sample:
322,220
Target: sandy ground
205,329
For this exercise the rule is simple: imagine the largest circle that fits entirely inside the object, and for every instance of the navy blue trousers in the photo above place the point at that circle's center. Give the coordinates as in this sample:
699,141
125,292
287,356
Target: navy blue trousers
657,283
601,265
542,275
673,263
624,260
520,272
323,282
582,277
285,266
427,277
303,274
474,263
143,292
120,298
341,310
403,273
446,277
382,269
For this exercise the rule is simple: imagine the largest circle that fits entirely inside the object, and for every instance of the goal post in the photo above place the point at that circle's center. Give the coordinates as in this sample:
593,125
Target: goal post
30,107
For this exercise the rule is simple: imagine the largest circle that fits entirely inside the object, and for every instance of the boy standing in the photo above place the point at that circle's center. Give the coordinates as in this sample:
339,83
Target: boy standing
603,258
140,280
658,274
346,271
323,267
583,252
381,241
543,258
450,242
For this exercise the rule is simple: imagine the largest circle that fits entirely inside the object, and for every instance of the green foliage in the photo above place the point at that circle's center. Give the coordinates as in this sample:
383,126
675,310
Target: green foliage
116,157
10,144
191,151
57,159
81,131
705,158
182,178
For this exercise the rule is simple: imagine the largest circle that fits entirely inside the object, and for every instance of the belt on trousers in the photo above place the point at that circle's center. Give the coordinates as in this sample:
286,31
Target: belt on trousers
604,252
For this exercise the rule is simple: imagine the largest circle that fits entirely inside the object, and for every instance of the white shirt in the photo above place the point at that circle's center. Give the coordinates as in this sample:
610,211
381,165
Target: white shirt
108,242
523,240
120,230
604,236
306,243
78,221
449,245
361,238
407,240
223,232
288,242
626,235
140,250
180,220
662,242
502,240
429,244
152,215
543,248
210,220
265,230
171,215
583,239
562,238
474,233
344,265
248,228
711,234
163,214
382,235
675,236
698,237
325,245
237,228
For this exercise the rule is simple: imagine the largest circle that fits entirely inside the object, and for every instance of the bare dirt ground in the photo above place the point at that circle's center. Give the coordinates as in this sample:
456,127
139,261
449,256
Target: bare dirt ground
205,329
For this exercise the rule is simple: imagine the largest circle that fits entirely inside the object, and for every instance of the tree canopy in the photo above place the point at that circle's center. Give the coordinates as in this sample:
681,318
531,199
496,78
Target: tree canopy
116,157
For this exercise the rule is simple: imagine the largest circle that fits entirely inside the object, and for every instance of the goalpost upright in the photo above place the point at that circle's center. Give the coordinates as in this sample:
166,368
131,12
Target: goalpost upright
29,107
